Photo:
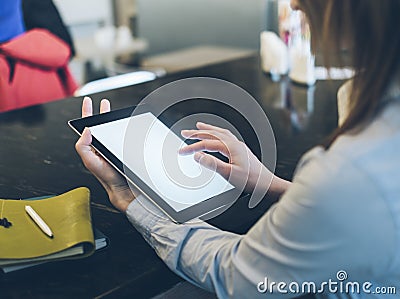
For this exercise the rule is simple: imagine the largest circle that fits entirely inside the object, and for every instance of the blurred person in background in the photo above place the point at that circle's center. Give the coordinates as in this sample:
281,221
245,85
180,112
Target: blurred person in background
33,60
44,14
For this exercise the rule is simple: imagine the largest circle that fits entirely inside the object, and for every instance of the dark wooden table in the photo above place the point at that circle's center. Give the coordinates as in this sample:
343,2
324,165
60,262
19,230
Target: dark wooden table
37,157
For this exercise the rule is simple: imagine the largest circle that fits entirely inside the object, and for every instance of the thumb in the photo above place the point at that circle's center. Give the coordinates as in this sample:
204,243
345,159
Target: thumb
84,142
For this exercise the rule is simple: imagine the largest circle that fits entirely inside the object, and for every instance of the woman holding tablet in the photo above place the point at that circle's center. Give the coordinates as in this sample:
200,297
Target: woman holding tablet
338,221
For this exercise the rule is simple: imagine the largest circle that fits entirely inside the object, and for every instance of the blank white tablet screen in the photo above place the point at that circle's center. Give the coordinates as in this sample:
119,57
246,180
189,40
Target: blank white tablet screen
150,150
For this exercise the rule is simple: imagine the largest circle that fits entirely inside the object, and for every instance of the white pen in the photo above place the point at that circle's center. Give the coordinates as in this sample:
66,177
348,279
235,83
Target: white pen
39,221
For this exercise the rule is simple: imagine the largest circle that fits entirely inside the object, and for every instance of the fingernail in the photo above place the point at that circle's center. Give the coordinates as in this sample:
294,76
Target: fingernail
197,156
183,151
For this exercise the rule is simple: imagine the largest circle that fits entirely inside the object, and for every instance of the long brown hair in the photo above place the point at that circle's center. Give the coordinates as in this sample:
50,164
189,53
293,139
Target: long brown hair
370,31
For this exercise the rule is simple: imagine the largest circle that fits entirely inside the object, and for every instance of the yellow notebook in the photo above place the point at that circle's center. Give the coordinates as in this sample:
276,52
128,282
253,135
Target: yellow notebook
68,216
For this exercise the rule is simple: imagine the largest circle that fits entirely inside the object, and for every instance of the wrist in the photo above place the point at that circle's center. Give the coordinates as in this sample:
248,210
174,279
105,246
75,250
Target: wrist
278,186
260,180
120,197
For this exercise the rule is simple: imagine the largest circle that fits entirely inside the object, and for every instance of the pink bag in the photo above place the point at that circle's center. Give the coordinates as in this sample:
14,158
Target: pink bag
34,70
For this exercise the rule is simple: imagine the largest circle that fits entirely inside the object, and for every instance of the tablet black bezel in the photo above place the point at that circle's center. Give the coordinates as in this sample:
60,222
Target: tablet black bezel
199,210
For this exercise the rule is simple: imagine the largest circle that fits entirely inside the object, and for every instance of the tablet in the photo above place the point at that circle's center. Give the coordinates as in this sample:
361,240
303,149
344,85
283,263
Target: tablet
145,151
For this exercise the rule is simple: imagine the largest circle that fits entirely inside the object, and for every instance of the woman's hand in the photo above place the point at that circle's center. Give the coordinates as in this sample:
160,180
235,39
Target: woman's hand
243,169
115,184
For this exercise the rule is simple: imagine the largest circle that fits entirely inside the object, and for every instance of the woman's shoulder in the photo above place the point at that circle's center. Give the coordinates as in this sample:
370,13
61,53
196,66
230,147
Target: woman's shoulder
358,172
372,154
374,150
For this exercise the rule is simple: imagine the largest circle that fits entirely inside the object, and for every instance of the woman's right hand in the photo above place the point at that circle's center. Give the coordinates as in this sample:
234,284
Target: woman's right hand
243,169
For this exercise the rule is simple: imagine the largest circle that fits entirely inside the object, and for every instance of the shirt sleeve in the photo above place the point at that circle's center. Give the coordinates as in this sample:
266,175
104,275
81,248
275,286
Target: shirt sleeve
316,230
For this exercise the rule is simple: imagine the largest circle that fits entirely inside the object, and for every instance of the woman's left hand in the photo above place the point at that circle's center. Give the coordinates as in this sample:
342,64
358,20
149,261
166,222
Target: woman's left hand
114,183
